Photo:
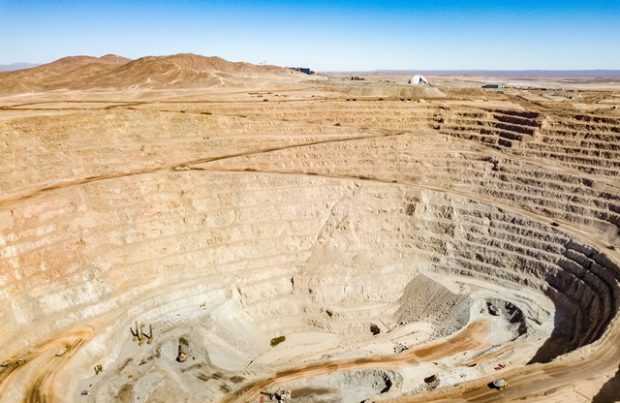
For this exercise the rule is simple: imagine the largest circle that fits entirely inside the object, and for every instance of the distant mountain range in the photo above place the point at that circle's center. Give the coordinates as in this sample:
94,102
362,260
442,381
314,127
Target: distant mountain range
522,74
16,66
116,72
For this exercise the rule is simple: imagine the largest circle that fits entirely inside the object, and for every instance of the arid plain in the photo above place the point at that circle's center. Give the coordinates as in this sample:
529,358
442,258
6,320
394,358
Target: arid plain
186,229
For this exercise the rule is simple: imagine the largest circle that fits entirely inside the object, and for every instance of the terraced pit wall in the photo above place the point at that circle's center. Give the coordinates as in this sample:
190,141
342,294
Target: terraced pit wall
255,220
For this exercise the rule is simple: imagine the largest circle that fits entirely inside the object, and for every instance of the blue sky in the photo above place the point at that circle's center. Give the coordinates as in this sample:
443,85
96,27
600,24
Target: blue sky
325,35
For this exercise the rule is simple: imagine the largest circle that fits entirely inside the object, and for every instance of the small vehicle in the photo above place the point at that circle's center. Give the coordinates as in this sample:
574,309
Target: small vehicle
499,384
280,396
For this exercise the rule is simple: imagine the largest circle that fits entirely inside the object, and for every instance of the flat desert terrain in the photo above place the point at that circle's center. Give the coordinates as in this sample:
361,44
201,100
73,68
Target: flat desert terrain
186,229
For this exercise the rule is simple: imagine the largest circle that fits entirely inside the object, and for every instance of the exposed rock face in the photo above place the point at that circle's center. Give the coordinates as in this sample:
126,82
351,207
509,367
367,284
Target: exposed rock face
170,244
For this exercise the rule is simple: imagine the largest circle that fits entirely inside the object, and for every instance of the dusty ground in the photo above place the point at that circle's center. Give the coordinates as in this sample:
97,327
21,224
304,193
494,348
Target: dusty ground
170,238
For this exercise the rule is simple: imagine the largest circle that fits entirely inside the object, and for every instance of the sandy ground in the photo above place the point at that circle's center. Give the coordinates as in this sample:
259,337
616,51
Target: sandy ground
342,240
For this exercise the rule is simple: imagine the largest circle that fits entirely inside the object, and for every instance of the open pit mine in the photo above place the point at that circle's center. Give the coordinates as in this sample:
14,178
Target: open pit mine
184,229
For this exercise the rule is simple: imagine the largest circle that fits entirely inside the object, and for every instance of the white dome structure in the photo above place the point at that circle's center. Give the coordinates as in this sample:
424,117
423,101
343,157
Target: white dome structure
419,80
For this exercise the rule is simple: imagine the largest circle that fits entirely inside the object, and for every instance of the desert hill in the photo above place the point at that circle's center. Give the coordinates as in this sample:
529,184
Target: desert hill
117,72
67,72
